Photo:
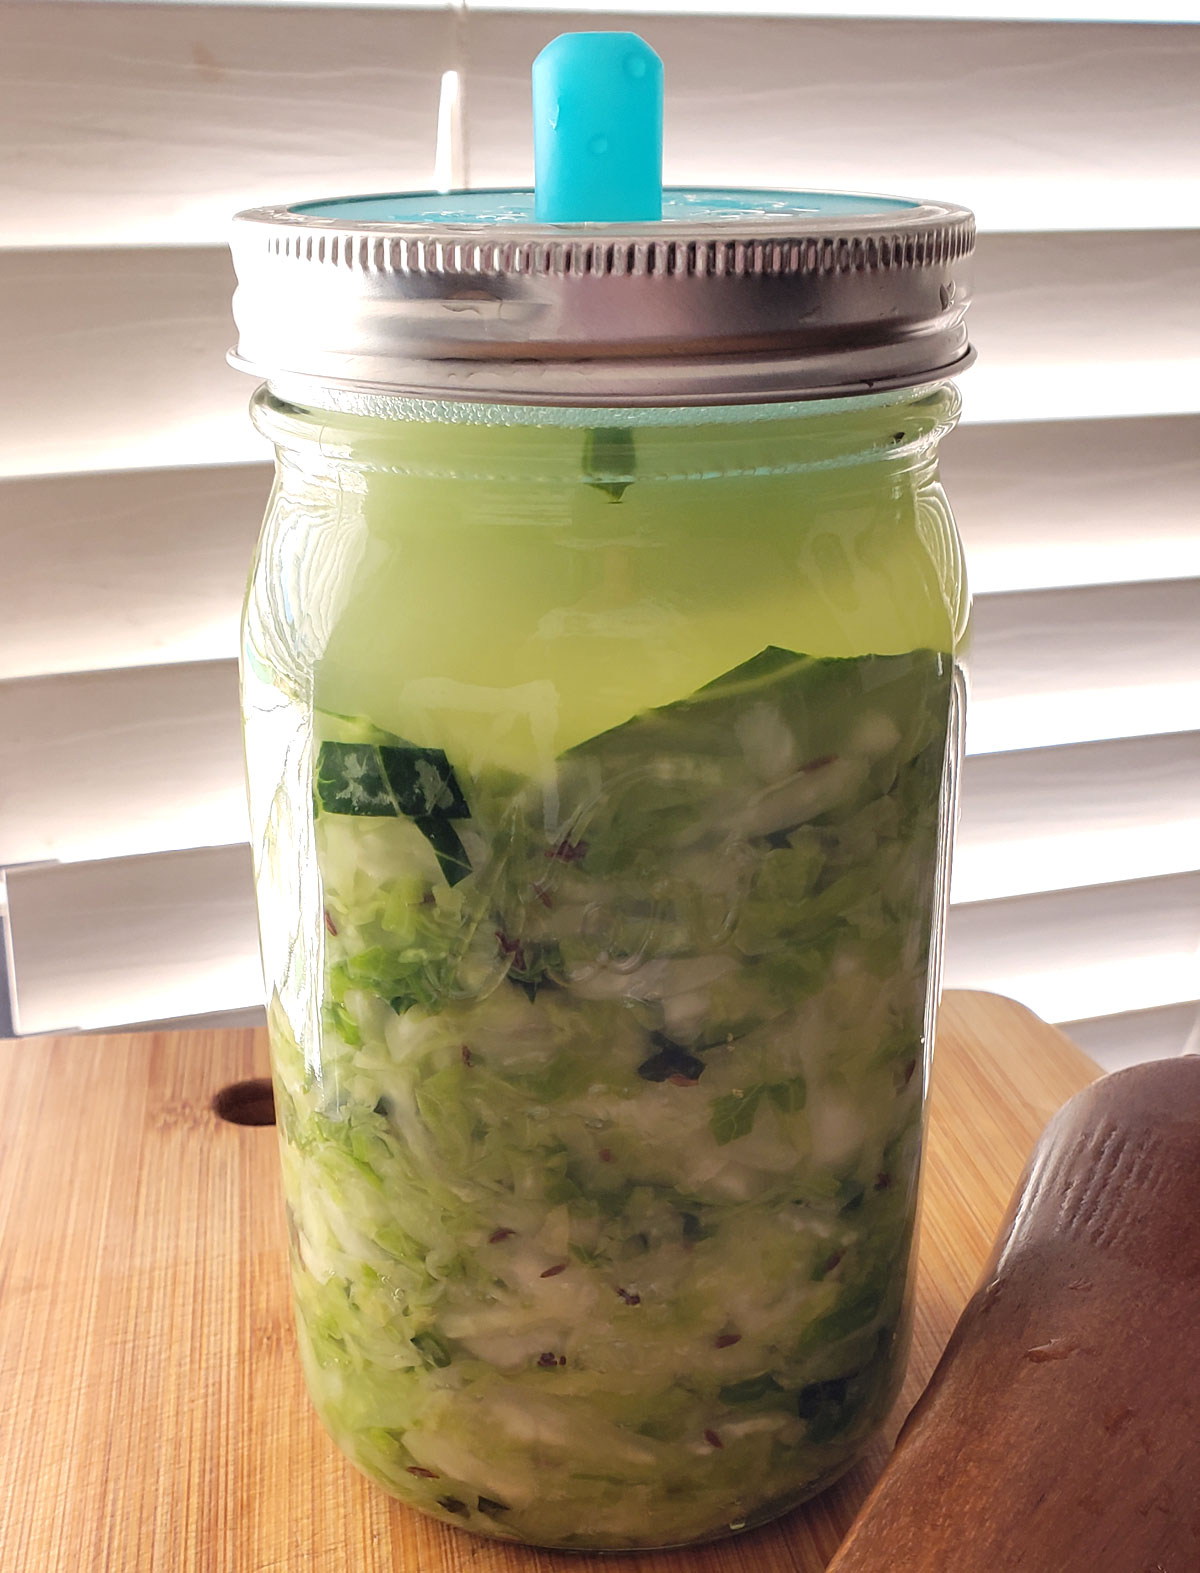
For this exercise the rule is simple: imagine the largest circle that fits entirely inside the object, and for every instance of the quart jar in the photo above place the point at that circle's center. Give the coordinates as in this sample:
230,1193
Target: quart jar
602,720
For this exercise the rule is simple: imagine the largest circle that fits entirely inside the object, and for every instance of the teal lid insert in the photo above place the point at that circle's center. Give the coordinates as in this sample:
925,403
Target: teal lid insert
682,209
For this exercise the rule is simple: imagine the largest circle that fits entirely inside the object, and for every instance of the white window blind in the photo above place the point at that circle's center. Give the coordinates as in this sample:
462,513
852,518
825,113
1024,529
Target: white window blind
131,483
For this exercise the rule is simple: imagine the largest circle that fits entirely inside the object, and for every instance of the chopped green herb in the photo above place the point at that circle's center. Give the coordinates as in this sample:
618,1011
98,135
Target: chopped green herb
733,1114
670,1062
448,849
388,779
609,457
398,781
790,1096
693,1230
432,1349
751,1390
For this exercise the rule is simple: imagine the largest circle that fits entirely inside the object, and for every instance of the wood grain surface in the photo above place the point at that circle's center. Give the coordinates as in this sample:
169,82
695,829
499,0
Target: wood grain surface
152,1414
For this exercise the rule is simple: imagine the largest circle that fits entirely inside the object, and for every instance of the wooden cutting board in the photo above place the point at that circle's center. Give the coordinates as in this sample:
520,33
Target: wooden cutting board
152,1414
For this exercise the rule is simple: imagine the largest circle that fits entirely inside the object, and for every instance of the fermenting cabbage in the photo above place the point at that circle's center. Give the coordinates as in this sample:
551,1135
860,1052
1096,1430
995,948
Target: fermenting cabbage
601,1190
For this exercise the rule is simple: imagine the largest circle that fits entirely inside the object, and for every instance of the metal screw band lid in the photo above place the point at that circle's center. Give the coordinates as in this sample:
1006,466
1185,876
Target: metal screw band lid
734,297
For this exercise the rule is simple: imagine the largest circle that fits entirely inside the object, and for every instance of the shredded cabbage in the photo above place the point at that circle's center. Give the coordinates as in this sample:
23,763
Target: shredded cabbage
601,1192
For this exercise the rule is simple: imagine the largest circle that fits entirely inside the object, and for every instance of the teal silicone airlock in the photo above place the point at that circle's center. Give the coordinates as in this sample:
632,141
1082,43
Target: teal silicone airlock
597,129
598,288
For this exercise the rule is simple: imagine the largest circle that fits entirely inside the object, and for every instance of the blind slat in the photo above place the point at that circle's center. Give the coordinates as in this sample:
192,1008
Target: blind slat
1060,503
1094,951
1054,125
120,358
1131,1037
101,763
173,934
1075,665
925,10
128,568
1104,636
119,353
150,124
133,939
1093,813
145,123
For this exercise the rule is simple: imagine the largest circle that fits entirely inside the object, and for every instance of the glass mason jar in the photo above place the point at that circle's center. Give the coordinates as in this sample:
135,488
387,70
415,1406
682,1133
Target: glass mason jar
601,764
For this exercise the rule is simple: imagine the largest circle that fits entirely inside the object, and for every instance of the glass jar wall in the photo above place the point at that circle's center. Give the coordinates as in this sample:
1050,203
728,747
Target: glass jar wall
601,766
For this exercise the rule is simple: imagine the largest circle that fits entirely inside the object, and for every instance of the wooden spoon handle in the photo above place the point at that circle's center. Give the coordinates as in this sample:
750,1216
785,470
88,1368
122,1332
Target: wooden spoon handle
1060,1432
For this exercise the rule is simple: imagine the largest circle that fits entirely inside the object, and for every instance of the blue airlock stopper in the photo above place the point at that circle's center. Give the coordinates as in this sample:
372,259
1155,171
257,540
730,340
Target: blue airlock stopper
597,129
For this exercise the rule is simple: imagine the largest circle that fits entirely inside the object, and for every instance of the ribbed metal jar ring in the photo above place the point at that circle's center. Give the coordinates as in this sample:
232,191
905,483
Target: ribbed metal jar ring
734,297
